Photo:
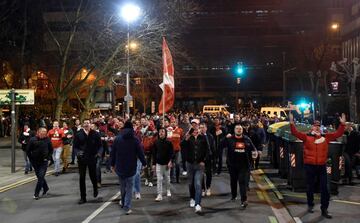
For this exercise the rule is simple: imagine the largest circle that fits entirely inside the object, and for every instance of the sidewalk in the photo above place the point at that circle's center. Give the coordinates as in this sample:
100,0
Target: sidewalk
8,179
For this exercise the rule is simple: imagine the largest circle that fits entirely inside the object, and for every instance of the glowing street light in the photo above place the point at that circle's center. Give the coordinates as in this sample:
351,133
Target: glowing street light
130,12
133,46
335,26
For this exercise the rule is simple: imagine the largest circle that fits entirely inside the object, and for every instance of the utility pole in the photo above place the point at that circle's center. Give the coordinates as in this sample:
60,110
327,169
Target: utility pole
13,130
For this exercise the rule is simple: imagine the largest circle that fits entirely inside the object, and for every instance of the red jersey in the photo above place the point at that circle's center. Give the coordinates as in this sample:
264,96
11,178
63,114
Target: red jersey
56,136
175,136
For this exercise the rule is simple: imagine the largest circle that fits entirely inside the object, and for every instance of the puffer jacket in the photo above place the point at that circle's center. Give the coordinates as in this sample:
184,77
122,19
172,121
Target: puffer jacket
316,147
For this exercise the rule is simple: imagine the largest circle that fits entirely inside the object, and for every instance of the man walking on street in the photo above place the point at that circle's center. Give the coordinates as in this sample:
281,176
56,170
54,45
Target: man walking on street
195,150
56,135
240,149
208,163
162,155
39,151
24,140
125,152
87,144
67,140
315,157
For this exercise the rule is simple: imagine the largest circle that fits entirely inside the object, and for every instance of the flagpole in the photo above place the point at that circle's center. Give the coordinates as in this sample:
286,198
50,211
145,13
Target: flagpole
163,99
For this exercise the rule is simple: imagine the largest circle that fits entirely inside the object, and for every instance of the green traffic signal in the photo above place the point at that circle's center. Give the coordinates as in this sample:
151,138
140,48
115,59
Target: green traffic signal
239,69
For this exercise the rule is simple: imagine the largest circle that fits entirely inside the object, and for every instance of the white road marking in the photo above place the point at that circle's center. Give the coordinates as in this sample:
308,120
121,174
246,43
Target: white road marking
101,208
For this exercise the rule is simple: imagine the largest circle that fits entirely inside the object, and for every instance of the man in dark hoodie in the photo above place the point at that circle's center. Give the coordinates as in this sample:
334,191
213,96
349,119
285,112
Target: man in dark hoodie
126,150
39,150
162,155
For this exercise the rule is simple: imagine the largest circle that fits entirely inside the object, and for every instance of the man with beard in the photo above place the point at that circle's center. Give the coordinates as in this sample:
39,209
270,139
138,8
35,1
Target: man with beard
240,151
315,156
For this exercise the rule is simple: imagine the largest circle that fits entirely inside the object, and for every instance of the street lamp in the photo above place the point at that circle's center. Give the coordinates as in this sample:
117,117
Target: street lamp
129,12
335,26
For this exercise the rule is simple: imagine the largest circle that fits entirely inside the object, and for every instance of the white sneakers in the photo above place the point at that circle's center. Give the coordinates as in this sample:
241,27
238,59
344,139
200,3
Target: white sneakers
150,184
146,182
203,193
137,196
197,208
184,173
158,198
208,192
168,194
120,202
192,203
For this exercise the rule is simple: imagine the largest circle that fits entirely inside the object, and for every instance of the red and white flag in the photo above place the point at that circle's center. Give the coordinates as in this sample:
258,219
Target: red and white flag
168,84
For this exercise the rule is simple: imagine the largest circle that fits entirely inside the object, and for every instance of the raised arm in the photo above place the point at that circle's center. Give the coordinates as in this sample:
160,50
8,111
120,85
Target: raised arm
294,131
339,132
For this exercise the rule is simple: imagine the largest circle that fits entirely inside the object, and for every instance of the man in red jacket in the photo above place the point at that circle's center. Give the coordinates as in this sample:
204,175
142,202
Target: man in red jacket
315,157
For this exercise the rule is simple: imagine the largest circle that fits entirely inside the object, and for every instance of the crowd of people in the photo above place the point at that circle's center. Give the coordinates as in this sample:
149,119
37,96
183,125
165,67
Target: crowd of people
158,149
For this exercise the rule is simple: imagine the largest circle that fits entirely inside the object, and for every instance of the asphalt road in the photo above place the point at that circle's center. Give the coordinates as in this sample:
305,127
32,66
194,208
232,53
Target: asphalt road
18,206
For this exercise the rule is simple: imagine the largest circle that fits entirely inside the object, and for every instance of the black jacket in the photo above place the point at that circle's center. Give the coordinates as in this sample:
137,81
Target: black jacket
24,139
353,142
89,144
163,151
239,152
210,145
195,150
39,150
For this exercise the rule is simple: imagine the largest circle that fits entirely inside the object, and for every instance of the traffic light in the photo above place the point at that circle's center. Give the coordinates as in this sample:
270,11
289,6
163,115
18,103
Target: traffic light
303,105
239,69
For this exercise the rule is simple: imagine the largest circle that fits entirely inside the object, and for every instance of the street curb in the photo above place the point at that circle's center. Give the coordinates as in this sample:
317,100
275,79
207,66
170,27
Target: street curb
22,182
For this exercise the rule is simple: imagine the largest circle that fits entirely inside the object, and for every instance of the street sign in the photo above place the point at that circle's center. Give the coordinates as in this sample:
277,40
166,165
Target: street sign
22,96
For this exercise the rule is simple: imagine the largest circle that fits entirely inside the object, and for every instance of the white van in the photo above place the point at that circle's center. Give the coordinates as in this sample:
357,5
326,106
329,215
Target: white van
215,109
275,112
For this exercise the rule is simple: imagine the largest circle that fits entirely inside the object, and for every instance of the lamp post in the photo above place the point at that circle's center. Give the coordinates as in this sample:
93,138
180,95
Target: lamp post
129,12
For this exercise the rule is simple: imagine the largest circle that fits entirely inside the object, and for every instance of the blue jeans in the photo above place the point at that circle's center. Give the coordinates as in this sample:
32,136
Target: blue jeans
195,177
126,189
137,177
27,162
40,171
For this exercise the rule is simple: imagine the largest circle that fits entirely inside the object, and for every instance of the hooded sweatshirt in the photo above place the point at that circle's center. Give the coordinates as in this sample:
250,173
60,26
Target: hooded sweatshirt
162,151
126,149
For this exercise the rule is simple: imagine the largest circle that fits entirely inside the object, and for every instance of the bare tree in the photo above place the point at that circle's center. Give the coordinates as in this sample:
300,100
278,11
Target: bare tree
350,70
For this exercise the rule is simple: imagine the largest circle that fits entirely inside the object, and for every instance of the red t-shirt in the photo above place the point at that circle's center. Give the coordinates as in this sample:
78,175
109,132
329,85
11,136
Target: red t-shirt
56,136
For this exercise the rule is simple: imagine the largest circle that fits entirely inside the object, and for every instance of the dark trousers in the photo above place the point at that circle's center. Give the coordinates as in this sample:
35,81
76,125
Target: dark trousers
257,161
40,171
208,175
183,160
91,165
349,164
239,176
175,170
98,169
148,173
313,172
220,153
